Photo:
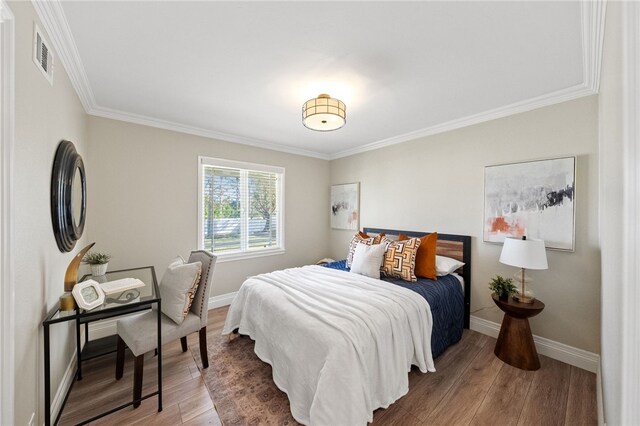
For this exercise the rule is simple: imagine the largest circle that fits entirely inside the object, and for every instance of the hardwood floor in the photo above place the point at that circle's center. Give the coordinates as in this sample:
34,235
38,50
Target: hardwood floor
471,386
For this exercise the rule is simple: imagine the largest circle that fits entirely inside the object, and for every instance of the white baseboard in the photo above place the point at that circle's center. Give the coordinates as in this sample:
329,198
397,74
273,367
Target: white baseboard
104,328
599,400
222,300
63,388
565,353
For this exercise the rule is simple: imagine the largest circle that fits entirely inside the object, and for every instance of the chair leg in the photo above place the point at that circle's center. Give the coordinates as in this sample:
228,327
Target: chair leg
120,358
137,379
203,347
183,342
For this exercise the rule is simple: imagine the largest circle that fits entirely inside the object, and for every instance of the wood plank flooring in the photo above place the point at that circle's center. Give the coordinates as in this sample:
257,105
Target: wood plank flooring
470,387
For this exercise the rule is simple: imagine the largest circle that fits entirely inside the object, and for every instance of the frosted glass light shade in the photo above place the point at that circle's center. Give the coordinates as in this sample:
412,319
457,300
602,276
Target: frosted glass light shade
324,113
528,254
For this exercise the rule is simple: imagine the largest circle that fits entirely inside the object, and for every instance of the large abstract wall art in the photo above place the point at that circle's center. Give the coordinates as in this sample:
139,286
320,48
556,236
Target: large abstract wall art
533,198
345,208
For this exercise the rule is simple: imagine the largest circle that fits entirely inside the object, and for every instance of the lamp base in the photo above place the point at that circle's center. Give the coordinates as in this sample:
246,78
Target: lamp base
523,299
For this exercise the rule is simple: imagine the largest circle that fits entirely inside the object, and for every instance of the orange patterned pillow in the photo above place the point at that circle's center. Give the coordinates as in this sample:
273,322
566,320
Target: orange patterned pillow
377,238
361,237
426,256
400,258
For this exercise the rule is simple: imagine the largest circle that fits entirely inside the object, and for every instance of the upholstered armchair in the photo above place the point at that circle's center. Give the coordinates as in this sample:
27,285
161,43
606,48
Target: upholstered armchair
139,333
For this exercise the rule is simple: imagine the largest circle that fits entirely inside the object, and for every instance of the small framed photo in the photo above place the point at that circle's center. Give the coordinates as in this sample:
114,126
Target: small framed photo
88,294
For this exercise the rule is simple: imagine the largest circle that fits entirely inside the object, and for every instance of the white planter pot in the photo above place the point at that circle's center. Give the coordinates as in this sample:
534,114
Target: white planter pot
98,270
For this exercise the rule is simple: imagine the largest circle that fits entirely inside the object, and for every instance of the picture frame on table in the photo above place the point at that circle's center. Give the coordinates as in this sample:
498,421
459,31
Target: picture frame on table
88,294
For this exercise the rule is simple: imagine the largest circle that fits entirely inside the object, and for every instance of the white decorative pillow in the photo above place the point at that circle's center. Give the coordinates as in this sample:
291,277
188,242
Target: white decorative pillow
178,288
361,237
446,265
367,259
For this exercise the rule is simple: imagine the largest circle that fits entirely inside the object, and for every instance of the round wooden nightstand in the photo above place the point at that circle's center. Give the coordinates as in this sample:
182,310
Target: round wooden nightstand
515,343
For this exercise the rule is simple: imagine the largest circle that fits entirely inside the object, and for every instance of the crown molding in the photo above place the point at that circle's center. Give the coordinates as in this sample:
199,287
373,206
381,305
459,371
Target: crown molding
197,131
559,96
55,24
593,20
57,27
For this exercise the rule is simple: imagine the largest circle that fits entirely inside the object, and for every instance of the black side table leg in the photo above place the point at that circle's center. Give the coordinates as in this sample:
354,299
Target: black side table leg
78,349
47,378
159,357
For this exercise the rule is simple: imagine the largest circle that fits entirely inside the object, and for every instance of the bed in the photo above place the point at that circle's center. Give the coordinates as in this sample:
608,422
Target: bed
341,344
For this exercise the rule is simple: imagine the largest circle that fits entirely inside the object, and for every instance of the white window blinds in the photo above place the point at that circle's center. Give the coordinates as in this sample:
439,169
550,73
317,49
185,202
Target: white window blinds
241,207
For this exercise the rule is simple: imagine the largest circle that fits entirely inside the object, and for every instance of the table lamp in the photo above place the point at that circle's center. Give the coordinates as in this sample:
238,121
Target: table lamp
525,254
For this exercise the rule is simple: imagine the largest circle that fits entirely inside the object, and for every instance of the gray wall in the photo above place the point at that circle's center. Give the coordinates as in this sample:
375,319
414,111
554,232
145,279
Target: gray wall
143,199
44,116
436,184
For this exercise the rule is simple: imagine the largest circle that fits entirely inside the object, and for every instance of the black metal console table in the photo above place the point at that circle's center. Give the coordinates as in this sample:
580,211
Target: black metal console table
127,302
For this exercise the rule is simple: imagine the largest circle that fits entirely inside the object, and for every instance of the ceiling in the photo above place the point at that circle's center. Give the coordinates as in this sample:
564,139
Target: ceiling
240,71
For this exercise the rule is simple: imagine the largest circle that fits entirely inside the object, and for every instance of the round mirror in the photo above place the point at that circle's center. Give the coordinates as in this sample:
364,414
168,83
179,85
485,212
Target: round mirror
76,197
68,196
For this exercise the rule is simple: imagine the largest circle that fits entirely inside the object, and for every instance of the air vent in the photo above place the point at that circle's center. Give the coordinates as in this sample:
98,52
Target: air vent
42,55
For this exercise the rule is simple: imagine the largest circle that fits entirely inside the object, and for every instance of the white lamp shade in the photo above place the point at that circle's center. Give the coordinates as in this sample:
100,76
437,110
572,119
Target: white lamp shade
528,254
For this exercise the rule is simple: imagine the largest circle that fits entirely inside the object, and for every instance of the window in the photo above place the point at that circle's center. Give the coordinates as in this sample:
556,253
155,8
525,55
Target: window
240,208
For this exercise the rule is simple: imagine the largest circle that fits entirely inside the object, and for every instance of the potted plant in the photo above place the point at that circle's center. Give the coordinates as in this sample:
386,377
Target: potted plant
503,287
98,262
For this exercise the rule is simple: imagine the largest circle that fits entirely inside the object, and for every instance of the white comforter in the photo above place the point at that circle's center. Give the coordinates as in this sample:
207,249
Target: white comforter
340,344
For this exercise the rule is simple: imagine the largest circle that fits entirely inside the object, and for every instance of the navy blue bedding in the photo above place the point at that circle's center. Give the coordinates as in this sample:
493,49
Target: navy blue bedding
446,299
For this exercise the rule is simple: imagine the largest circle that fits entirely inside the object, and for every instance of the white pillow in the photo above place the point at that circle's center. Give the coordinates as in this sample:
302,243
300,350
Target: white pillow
447,265
367,259
178,288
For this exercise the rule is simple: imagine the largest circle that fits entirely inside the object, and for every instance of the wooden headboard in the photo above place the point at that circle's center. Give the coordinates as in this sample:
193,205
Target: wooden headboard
450,245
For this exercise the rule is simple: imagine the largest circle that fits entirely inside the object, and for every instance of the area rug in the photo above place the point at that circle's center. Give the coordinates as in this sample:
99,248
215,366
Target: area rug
241,385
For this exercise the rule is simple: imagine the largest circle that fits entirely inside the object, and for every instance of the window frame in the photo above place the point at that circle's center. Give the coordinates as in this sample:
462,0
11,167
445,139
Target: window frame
245,253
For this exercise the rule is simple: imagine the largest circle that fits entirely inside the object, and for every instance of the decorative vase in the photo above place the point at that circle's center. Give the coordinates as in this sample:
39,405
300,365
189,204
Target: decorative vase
99,270
503,296
67,302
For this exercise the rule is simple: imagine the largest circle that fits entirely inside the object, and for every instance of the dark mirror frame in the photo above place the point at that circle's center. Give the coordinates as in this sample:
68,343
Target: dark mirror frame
66,228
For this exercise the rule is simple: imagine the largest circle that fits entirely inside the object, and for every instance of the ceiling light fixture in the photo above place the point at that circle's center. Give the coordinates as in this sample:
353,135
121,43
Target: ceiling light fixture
324,113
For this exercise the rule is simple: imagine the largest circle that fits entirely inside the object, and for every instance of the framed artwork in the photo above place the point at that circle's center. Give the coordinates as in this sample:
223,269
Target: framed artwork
532,198
345,206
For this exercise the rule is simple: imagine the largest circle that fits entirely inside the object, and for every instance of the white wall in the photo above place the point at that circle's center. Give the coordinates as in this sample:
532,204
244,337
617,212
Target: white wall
436,184
620,301
44,115
143,199
611,225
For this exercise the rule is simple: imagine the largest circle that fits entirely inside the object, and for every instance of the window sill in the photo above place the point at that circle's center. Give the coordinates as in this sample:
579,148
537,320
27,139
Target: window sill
230,257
